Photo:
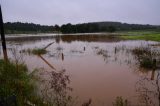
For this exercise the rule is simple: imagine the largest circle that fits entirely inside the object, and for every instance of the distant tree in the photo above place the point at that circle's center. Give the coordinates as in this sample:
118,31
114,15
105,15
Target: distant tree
111,29
18,27
57,28
67,28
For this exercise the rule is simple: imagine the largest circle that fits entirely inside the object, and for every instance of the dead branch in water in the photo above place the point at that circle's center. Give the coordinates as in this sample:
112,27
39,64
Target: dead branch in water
47,62
48,45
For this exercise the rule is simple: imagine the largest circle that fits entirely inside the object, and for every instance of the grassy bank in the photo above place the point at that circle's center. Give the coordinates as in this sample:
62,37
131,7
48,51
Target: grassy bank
17,86
141,35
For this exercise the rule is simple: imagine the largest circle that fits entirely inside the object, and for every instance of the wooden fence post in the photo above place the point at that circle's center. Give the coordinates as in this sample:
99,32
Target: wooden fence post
3,37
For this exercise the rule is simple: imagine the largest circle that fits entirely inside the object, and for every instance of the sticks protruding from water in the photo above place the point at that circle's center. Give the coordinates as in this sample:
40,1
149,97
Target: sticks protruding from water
62,56
152,75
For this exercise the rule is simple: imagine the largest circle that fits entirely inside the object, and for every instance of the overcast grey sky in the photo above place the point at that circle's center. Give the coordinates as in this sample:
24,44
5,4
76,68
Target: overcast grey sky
51,12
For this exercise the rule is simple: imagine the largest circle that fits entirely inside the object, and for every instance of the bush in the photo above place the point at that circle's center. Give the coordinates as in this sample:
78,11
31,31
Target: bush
15,81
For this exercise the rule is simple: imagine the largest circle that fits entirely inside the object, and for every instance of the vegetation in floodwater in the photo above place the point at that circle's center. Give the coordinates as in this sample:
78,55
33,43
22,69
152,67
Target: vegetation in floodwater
102,52
156,45
17,86
148,90
76,51
39,51
29,51
119,101
147,63
55,89
139,51
147,57
35,51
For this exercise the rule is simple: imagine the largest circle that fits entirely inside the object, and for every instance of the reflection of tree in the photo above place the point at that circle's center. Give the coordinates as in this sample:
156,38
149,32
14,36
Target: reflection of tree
149,90
87,38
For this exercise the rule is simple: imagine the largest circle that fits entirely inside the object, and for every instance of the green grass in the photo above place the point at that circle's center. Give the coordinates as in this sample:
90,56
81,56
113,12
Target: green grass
16,80
141,35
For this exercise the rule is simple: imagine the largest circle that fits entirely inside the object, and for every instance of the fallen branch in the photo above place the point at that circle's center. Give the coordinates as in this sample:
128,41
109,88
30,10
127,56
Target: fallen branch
46,62
48,45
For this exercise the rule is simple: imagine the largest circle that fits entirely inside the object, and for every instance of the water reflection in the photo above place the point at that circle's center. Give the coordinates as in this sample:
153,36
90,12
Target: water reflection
30,38
87,38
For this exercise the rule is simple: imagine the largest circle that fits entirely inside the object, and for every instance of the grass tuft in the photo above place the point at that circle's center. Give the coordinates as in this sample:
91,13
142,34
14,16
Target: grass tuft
38,51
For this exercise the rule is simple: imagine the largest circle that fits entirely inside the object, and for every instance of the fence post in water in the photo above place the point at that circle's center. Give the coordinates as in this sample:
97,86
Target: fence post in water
62,57
3,37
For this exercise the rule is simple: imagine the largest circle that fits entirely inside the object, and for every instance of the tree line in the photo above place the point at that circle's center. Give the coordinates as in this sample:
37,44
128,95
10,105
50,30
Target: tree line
104,27
18,27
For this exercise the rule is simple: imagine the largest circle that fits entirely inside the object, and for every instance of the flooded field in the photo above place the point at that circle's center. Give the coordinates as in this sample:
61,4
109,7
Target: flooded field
98,70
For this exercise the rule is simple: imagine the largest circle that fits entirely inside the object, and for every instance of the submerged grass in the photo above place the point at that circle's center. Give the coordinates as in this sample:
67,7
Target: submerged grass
35,51
119,101
17,85
146,57
147,62
102,52
39,51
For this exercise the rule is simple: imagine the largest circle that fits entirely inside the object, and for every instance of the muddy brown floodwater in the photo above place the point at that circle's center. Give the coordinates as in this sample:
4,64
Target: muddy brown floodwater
101,69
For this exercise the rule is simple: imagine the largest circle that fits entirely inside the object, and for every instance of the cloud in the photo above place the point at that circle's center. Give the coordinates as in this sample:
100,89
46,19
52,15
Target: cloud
78,11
